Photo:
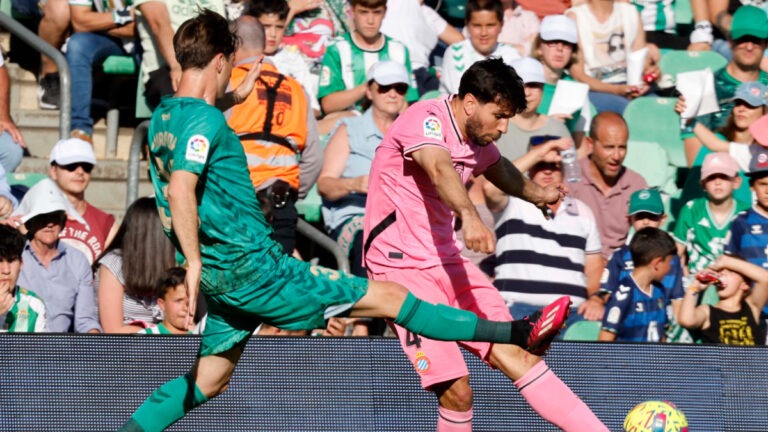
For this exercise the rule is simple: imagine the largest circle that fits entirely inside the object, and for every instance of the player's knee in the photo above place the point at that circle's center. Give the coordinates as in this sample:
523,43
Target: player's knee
455,395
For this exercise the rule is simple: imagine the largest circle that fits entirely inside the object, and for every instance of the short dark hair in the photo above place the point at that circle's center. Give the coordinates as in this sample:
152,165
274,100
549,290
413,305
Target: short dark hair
371,4
11,243
492,80
267,7
169,280
753,177
201,38
494,6
650,243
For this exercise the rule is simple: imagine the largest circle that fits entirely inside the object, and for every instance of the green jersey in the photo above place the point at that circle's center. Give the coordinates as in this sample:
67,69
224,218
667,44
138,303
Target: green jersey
190,135
345,65
702,236
158,329
657,15
27,313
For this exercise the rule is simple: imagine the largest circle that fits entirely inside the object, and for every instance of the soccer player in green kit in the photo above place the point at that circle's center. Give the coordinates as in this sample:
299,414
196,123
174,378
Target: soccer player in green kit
210,211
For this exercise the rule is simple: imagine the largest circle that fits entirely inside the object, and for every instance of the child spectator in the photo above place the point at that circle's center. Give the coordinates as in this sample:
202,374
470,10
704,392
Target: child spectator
273,15
703,223
646,209
347,60
21,310
172,298
735,319
483,23
636,312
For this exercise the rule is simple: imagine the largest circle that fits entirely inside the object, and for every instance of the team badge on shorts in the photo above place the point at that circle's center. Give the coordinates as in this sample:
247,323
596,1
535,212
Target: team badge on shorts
197,149
422,362
433,128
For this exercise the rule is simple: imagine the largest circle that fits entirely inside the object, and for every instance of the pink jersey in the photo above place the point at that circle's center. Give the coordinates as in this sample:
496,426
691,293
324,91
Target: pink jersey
406,223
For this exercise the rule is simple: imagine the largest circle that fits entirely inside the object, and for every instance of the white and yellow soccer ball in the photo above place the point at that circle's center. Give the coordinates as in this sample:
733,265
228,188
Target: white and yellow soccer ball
655,416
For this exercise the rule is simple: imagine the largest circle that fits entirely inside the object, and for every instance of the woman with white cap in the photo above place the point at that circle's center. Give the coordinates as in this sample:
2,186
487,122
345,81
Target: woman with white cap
343,181
530,126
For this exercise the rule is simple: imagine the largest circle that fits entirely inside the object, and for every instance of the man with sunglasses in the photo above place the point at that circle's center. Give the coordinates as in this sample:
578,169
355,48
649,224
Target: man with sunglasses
72,161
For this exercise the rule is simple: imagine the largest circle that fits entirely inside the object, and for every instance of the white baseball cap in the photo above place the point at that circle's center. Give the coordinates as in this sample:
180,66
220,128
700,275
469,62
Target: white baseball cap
45,197
530,70
388,72
72,150
559,27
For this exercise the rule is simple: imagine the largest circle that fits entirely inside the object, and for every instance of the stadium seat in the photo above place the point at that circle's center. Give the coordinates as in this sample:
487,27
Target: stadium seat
675,61
683,12
25,179
309,207
582,331
653,119
651,161
116,65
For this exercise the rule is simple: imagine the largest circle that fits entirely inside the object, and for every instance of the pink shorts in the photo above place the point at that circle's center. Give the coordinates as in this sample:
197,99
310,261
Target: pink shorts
460,285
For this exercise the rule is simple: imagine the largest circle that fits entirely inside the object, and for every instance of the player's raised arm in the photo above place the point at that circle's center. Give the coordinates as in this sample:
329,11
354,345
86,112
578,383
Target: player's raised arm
437,163
184,220
505,176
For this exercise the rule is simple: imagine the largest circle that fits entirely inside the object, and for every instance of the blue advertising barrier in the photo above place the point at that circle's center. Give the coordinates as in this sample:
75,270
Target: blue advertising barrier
94,382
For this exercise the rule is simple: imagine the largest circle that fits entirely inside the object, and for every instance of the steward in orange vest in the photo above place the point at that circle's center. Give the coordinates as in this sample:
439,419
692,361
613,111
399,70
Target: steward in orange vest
274,124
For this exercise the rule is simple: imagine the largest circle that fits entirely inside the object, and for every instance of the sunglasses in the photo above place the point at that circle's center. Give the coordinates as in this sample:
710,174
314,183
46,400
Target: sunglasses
74,166
400,88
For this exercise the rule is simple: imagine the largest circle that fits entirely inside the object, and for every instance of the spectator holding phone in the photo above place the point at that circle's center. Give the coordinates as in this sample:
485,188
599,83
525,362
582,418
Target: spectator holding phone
530,127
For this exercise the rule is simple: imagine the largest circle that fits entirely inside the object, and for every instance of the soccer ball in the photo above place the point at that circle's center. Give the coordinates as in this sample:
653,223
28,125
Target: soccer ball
655,416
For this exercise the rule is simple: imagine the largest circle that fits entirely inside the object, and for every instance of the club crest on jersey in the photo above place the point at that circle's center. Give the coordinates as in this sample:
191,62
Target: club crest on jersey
197,149
614,315
433,128
325,76
422,362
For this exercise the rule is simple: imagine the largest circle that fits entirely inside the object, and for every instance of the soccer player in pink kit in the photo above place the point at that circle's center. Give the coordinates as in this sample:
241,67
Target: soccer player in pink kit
417,185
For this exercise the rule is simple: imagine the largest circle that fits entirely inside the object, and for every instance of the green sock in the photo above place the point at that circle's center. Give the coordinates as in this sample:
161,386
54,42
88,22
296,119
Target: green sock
168,403
441,322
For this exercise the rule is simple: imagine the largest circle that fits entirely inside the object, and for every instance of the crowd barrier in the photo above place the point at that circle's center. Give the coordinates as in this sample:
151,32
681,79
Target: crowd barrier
94,382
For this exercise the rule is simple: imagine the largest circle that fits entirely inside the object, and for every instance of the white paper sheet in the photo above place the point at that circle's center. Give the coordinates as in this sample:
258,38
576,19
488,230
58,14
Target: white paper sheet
569,97
635,66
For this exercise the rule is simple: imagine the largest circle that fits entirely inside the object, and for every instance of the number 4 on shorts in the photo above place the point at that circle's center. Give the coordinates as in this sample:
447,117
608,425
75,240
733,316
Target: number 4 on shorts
412,339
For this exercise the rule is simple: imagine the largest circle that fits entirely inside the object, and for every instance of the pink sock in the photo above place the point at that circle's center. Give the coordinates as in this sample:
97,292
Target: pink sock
555,402
454,421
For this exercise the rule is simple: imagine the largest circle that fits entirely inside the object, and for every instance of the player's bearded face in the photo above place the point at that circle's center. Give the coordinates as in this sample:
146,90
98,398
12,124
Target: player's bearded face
487,124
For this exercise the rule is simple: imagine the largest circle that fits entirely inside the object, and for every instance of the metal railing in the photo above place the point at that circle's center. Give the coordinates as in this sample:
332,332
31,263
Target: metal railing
33,40
132,192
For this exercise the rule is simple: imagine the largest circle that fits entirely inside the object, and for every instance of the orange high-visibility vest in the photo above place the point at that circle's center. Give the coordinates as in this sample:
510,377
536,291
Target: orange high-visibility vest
271,124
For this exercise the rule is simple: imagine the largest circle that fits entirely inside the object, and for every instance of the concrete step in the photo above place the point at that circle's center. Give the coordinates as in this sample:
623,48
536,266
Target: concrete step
109,182
40,128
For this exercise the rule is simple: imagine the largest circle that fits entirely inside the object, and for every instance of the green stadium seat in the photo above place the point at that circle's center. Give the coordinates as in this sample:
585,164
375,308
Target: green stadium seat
676,61
25,179
651,161
653,119
432,94
582,331
143,111
683,12
119,65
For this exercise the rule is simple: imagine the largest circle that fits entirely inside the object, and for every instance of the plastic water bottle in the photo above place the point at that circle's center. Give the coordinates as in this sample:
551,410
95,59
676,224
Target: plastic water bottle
571,169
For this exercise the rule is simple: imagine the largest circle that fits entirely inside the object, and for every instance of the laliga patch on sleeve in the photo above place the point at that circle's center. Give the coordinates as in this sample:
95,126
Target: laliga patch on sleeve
197,149
614,315
433,128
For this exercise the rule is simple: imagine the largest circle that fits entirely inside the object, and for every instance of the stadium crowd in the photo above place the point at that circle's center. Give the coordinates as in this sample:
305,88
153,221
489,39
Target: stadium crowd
641,261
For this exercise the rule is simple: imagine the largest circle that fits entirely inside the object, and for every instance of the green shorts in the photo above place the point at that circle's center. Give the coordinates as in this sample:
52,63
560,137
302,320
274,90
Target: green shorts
291,295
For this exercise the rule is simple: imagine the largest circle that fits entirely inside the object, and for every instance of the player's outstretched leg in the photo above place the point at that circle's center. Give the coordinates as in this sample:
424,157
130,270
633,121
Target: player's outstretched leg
441,322
544,391
174,399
